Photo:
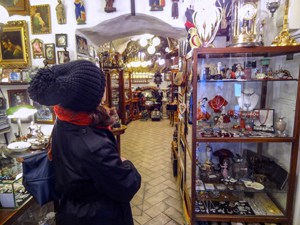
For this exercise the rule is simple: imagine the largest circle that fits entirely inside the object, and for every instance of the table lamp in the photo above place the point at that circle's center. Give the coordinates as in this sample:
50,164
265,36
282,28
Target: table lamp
20,112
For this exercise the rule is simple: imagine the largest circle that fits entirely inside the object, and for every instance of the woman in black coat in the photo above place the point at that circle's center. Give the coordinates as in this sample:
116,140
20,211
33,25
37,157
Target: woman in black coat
94,183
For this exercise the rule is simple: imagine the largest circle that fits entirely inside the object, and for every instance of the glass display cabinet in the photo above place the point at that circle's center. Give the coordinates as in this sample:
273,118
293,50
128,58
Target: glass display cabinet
238,155
13,193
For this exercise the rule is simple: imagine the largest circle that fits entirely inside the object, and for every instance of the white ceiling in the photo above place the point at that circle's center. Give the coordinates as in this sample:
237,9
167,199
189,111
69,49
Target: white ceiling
122,28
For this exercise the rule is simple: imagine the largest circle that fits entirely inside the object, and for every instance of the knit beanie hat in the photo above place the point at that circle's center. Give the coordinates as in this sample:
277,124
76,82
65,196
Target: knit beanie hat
78,85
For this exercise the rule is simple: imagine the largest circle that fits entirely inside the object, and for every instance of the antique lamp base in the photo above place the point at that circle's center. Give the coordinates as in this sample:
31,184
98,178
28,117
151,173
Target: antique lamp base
284,39
245,41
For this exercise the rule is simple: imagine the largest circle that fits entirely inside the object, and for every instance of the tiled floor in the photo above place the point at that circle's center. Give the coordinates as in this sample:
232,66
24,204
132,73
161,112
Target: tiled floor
148,145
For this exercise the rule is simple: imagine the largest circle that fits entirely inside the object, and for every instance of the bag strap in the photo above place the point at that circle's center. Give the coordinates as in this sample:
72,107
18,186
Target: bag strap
49,145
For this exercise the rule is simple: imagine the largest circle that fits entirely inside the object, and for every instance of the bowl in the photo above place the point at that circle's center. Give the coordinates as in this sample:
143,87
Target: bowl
19,146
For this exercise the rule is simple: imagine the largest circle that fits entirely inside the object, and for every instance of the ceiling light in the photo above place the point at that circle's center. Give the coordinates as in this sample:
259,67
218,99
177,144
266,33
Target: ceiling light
143,42
161,62
151,50
156,41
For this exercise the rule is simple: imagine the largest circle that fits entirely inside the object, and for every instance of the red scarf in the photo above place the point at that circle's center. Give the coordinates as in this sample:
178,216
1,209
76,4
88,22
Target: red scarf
78,118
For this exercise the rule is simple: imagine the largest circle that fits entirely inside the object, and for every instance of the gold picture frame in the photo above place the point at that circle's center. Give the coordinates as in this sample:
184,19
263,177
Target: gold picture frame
50,53
40,19
16,7
15,33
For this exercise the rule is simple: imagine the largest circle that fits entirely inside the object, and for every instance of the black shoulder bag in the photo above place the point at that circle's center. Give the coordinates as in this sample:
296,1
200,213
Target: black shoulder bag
38,177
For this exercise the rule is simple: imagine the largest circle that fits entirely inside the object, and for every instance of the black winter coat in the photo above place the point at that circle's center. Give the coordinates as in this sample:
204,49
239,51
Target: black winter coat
95,185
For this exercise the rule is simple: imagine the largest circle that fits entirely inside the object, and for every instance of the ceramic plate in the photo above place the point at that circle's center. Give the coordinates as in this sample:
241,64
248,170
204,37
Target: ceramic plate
19,146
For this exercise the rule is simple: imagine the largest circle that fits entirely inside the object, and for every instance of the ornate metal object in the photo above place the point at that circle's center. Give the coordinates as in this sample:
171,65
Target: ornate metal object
284,38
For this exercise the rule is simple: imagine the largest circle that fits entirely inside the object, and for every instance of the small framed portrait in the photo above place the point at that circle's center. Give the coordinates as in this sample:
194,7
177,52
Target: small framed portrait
15,76
81,45
50,53
44,114
5,75
26,75
61,40
14,45
40,19
63,57
37,46
264,120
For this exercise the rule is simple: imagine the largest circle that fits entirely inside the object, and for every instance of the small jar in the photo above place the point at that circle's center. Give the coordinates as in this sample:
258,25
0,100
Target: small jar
280,124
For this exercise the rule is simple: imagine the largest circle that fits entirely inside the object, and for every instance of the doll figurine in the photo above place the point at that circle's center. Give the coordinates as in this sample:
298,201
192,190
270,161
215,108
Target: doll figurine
109,6
175,12
80,12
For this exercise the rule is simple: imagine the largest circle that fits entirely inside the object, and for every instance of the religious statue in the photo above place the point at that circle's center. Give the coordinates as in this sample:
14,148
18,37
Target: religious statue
60,13
80,12
109,6
175,12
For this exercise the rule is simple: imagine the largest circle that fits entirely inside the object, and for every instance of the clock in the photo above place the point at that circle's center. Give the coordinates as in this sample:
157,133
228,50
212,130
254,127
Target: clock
244,23
248,11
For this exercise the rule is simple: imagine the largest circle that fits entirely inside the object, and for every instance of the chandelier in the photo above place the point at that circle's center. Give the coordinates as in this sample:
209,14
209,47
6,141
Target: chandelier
149,42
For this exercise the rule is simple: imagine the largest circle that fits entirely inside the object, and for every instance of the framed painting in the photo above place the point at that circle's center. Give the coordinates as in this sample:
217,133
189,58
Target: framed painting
50,53
15,76
61,40
63,57
37,46
40,19
16,7
81,45
14,47
18,97
44,114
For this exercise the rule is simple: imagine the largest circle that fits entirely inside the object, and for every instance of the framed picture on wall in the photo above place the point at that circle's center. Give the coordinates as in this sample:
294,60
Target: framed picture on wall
50,53
81,45
61,40
18,97
37,46
44,114
15,76
40,19
63,57
16,7
15,33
